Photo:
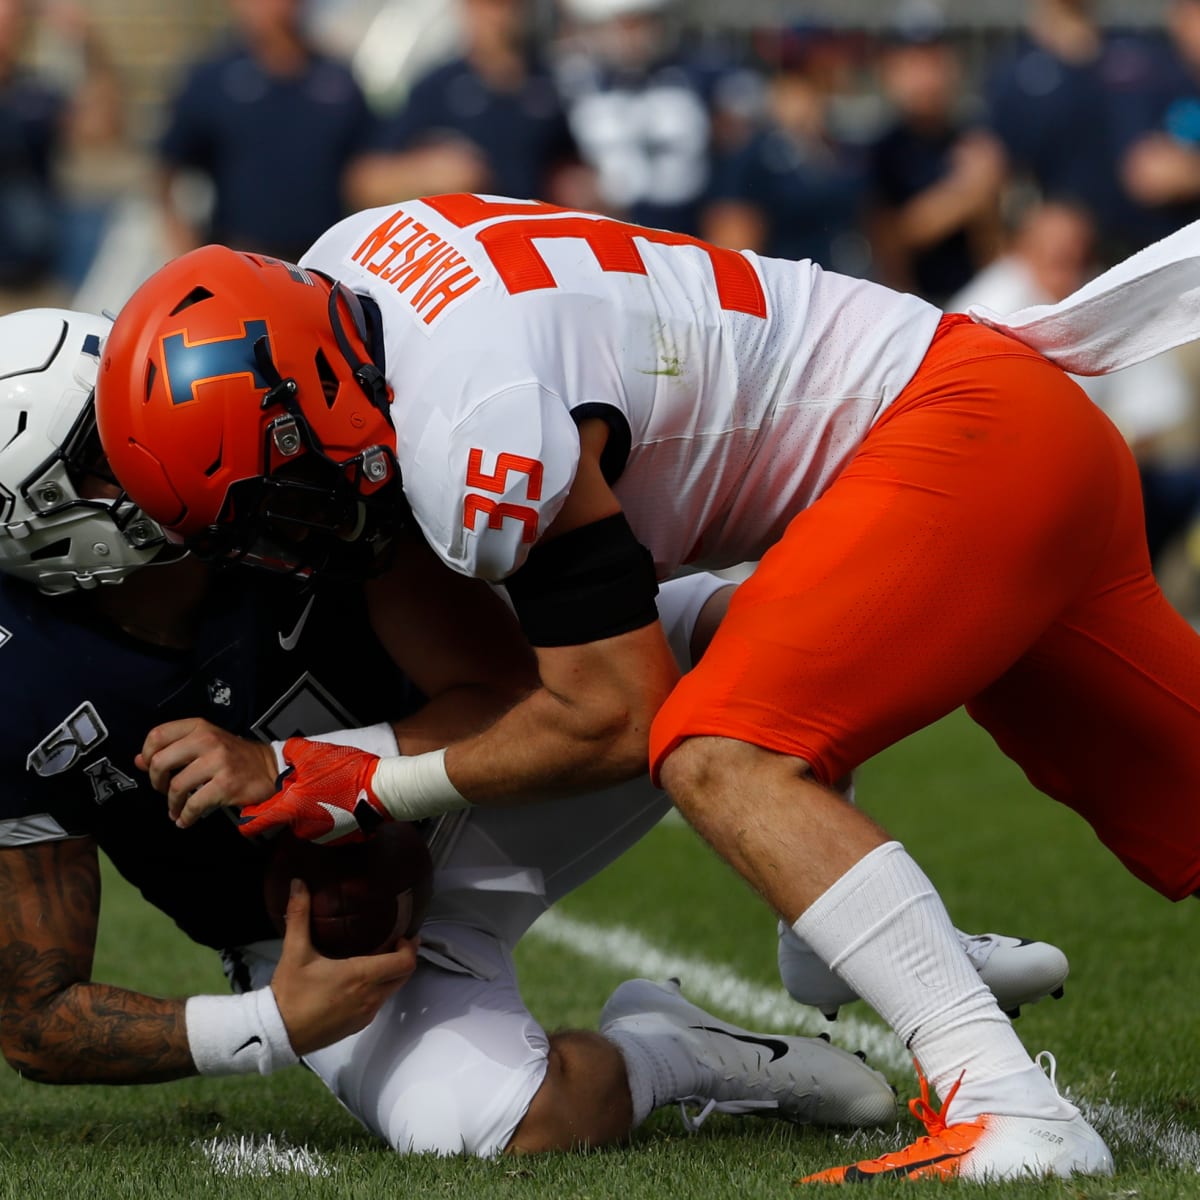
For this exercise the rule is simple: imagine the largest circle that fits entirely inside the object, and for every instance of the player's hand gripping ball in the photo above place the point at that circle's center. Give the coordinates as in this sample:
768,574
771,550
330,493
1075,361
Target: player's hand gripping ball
364,894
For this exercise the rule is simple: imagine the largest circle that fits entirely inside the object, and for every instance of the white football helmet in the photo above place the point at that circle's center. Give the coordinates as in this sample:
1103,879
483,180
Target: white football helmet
50,535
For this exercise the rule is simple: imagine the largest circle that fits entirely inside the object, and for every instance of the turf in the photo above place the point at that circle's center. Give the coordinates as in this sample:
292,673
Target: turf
1127,1035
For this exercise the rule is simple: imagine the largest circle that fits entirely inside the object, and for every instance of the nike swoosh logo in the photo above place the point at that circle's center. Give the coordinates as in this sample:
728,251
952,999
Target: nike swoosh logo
254,1040
854,1175
777,1048
343,823
291,640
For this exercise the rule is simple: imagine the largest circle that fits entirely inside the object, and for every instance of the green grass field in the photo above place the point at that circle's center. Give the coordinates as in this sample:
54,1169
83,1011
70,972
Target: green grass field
1127,1035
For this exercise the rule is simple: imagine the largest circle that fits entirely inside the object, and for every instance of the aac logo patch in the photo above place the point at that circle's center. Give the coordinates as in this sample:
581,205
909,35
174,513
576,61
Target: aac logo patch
107,780
59,750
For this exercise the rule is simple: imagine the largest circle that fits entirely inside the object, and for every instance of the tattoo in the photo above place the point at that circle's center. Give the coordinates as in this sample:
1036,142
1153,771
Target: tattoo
56,1026
94,1033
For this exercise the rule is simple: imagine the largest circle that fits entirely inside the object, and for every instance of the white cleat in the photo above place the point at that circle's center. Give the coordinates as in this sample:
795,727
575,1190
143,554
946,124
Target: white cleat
805,1080
1018,971
986,1148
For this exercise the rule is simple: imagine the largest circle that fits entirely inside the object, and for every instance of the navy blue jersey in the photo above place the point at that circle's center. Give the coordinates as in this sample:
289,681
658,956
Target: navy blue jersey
82,695
274,146
31,114
809,193
904,161
1066,123
521,132
1168,101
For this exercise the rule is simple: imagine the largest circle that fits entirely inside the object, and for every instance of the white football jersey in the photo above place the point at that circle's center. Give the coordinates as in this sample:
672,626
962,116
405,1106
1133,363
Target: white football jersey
735,387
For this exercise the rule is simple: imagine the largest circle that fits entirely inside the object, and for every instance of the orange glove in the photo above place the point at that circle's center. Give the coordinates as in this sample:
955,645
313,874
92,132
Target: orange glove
324,795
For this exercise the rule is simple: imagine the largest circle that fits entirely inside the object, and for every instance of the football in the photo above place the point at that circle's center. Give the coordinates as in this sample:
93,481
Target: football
364,895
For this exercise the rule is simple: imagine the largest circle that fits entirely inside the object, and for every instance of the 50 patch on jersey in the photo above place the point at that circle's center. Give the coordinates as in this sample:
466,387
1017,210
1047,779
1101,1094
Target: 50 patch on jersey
60,749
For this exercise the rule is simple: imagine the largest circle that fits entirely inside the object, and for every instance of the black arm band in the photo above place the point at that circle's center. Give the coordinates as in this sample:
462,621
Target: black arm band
595,582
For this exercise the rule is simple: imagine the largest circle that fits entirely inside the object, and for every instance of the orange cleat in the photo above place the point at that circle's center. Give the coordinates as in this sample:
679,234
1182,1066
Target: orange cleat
988,1147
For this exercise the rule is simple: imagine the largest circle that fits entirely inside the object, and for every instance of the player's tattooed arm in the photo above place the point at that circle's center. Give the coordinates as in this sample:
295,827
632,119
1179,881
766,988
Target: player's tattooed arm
56,1025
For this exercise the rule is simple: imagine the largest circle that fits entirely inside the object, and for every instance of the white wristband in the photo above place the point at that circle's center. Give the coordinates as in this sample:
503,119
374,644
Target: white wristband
416,786
374,739
236,1035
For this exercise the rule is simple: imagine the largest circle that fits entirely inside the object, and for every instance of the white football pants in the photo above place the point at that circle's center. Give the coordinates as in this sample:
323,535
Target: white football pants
453,1059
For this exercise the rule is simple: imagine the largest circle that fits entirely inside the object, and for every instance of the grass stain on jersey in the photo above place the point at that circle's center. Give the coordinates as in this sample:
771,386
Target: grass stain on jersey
670,366
670,363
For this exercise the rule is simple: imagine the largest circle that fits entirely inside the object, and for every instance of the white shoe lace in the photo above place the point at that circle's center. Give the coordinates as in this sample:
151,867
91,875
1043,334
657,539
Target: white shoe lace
978,947
1037,1058
736,1108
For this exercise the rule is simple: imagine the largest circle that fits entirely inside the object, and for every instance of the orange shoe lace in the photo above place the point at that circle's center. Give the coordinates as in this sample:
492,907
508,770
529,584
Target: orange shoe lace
921,1108
928,1147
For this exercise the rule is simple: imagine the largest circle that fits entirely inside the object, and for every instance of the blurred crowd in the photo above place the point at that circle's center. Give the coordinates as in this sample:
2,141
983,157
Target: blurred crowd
1004,174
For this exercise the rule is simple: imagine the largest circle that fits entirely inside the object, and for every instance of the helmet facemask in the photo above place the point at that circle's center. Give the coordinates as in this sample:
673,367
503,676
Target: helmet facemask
64,522
308,514
306,520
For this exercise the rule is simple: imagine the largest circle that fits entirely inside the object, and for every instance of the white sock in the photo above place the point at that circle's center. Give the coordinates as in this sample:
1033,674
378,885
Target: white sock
660,1067
883,928
1025,1093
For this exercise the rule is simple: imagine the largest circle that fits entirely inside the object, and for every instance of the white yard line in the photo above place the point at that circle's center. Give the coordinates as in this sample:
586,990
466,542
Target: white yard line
715,985
1128,1131
260,1156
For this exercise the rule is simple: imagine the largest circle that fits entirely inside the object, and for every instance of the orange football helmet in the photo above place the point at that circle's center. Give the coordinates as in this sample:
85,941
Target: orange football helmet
239,404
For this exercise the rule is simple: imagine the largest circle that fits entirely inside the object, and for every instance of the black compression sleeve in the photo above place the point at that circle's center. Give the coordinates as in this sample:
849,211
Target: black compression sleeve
594,582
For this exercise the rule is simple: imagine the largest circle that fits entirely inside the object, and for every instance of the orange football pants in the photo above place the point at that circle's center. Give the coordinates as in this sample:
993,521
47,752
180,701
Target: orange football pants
986,547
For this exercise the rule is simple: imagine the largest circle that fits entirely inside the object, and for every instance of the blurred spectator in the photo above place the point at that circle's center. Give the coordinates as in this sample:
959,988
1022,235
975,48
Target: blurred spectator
794,190
489,121
272,124
647,115
1052,254
1160,168
39,125
935,176
1062,104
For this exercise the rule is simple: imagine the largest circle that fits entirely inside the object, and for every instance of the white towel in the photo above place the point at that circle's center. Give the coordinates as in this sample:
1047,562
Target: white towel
1143,306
